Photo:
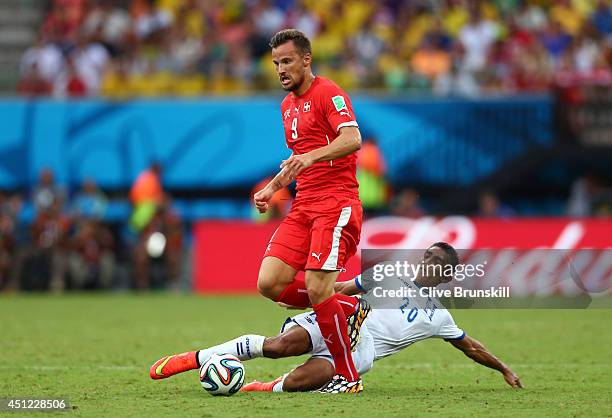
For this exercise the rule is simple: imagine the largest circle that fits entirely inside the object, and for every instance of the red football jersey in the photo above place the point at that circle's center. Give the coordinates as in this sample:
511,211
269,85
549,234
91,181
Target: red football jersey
312,121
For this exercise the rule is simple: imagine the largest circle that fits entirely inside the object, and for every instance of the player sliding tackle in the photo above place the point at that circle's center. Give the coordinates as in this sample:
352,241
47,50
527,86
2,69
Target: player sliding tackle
321,232
384,333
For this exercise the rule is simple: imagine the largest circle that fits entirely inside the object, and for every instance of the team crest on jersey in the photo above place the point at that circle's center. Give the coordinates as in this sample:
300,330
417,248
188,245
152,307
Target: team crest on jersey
306,107
287,113
339,103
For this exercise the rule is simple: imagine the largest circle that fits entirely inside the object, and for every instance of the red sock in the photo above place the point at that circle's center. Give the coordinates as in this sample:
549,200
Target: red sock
332,323
347,303
295,294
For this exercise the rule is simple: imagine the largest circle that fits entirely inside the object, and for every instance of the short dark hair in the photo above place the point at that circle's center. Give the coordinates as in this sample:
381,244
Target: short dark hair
451,253
301,41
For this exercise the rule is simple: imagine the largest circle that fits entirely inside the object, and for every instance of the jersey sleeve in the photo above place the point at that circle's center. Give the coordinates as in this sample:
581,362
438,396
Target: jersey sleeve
337,108
365,283
449,330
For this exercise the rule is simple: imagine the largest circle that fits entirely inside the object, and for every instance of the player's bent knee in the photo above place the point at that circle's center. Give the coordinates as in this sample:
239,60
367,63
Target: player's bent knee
272,348
320,285
268,287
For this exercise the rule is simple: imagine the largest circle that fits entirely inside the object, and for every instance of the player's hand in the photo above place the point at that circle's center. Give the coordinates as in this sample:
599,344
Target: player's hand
261,199
296,164
512,379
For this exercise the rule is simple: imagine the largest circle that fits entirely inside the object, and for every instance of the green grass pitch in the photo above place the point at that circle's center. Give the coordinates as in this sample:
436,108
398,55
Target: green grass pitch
96,350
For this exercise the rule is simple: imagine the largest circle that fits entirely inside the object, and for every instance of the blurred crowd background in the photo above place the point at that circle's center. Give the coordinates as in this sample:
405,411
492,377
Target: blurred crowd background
57,237
71,243
127,48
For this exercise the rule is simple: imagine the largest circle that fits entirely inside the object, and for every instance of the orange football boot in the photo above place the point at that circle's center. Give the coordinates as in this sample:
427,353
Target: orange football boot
261,386
170,365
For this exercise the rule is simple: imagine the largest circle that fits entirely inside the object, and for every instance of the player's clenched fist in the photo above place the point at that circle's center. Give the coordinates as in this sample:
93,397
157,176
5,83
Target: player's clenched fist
296,164
261,199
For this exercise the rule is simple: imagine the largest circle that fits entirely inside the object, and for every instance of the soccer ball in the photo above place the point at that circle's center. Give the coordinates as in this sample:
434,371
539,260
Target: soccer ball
222,375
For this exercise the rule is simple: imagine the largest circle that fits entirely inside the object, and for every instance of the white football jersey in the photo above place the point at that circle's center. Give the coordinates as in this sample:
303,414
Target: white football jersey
414,319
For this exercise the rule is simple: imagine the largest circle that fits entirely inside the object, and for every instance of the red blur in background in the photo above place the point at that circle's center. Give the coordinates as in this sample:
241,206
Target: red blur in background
227,255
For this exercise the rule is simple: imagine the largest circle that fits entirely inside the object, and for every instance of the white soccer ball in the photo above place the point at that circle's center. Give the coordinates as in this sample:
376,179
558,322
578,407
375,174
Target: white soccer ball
222,375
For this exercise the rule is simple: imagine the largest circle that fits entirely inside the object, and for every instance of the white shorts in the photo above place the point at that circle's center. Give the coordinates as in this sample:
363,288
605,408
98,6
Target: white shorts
363,356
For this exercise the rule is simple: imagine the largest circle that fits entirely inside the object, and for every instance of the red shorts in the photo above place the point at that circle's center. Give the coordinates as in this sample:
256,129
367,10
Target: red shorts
321,233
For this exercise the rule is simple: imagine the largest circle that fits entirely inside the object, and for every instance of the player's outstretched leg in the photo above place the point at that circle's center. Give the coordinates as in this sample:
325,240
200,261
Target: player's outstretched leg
170,365
245,347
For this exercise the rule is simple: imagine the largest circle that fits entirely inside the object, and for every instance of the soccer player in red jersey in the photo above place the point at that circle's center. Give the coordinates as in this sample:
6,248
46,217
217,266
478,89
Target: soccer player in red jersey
322,230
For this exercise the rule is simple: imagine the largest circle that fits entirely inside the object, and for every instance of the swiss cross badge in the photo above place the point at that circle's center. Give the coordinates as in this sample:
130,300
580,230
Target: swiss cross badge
306,107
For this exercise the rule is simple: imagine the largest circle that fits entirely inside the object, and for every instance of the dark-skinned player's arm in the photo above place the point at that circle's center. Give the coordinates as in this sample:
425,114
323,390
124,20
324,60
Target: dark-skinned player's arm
477,352
262,197
348,142
348,287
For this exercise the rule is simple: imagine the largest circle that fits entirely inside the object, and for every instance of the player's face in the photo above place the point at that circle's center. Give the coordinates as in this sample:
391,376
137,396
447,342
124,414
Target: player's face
436,256
290,65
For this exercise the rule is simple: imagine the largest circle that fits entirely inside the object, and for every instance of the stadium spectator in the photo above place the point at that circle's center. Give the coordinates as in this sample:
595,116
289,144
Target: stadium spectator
158,254
110,23
585,52
70,83
42,265
531,70
146,195
268,18
555,40
457,82
489,206
90,60
569,19
589,196
371,170
303,19
32,83
10,208
406,204
91,260
476,37
149,19
89,202
191,47
429,61
46,194
44,58
368,44
602,18
64,21
531,17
